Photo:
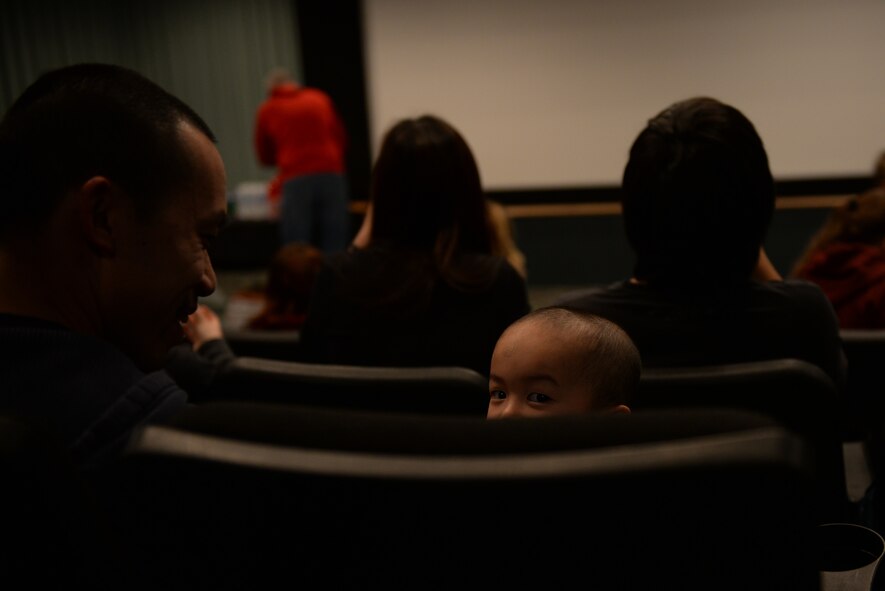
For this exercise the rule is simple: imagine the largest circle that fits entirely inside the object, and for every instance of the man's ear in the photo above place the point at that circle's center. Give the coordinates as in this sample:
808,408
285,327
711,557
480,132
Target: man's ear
98,202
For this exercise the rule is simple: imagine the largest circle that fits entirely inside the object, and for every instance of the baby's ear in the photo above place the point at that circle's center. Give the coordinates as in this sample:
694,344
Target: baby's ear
620,409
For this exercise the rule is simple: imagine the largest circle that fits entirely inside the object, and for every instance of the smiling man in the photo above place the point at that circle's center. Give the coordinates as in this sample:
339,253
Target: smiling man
112,190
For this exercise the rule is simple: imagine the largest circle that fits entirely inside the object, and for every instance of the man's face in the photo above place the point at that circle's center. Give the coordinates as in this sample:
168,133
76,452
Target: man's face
533,373
161,264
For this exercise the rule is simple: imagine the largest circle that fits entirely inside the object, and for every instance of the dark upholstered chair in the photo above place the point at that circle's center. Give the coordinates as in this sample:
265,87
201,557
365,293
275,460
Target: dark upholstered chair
865,388
54,535
245,495
282,345
796,393
430,390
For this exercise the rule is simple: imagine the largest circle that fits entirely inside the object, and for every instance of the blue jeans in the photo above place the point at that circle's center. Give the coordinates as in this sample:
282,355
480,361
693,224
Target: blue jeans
315,210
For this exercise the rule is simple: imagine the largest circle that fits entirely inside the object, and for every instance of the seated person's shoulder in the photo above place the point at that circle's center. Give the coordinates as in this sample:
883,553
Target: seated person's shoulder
156,398
586,296
798,290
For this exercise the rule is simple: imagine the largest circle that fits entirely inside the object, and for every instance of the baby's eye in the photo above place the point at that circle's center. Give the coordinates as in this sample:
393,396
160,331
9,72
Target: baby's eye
538,397
497,395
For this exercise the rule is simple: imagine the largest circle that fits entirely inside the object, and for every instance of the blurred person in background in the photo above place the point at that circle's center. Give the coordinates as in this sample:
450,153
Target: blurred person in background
298,131
429,285
846,258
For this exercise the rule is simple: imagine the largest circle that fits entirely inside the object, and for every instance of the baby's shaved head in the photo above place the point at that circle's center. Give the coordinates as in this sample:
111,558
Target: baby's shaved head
603,354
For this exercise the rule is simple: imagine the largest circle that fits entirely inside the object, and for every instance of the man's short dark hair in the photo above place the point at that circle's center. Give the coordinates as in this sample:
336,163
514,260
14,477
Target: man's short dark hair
84,120
698,195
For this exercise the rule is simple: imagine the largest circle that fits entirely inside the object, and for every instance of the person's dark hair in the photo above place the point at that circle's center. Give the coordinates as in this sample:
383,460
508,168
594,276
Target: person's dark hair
609,360
84,120
290,280
860,219
426,193
698,195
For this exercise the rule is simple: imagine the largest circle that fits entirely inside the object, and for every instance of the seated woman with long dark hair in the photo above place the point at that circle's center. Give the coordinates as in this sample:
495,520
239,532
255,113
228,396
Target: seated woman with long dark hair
426,288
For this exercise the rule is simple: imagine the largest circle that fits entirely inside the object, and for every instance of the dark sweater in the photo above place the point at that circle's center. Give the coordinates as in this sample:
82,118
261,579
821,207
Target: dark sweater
79,387
700,325
386,307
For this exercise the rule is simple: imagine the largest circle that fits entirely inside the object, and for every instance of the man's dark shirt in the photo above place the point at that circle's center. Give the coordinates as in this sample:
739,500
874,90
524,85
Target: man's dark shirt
79,387
698,325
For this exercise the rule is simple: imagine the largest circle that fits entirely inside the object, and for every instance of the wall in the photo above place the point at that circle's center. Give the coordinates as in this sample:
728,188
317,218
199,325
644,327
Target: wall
552,93
592,250
213,54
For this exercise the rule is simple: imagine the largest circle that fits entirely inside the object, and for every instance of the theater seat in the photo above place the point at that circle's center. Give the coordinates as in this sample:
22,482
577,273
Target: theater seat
794,392
52,532
865,388
282,345
429,390
250,496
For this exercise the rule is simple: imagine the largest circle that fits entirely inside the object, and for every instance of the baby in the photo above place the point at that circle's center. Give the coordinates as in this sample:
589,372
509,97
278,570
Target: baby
557,360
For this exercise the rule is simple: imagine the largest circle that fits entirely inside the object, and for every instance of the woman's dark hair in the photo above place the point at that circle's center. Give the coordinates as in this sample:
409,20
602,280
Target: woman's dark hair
84,120
427,195
698,195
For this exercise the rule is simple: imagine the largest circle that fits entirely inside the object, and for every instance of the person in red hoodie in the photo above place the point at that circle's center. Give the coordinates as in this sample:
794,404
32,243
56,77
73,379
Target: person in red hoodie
846,258
298,131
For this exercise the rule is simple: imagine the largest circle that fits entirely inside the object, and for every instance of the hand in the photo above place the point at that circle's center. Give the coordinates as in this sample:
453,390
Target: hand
202,326
364,236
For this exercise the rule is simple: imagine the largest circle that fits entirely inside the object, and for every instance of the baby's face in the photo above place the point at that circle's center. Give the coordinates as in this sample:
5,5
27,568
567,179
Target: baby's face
533,374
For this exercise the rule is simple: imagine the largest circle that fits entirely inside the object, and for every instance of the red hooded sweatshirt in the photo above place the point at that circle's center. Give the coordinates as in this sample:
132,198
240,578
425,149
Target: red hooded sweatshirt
298,130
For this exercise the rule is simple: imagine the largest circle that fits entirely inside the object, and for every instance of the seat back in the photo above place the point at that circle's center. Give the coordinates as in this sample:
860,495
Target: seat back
865,386
865,393
282,345
54,533
235,494
794,392
429,390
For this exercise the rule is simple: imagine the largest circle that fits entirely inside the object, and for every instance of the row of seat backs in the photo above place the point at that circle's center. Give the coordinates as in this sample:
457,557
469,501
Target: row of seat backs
864,350
797,393
243,494
787,388
861,408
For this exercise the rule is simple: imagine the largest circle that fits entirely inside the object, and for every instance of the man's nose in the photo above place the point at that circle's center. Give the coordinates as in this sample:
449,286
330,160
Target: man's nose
208,281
